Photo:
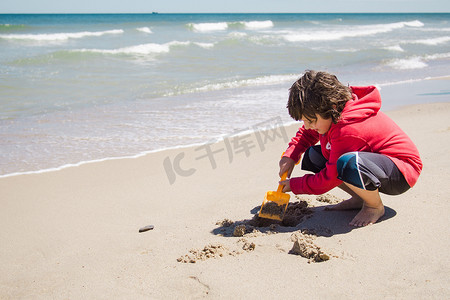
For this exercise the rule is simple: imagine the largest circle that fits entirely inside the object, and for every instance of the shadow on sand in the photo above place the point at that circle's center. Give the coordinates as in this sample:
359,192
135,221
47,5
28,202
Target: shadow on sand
322,222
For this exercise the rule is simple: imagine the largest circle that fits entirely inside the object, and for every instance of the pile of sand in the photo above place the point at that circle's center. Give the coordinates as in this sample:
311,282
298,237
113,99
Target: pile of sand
305,246
209,251
296,212
216,250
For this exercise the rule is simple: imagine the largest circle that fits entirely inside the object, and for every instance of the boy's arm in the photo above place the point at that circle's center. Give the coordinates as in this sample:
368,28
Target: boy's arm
302,141
326,179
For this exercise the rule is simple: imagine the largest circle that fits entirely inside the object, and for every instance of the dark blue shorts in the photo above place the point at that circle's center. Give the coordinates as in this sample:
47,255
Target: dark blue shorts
365,170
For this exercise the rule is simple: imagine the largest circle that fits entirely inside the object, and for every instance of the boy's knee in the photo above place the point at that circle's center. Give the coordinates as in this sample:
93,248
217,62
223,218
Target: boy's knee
348,170
313,160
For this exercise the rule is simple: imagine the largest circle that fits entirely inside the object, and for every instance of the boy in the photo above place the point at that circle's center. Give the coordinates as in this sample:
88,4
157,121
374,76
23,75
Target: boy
361,149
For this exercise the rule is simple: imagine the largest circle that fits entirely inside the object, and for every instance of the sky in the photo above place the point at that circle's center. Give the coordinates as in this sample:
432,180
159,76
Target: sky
222,6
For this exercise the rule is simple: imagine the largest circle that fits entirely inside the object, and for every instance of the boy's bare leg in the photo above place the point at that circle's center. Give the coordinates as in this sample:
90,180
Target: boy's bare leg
372,207
355,202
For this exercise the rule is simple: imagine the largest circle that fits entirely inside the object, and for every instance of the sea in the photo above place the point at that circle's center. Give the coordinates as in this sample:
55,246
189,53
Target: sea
78,88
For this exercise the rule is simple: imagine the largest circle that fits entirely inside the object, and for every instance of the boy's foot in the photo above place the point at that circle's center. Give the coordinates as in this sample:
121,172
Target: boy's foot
352,203
367,216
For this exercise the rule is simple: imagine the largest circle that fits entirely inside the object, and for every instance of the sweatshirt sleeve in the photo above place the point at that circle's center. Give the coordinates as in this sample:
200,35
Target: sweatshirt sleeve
300,142
326,179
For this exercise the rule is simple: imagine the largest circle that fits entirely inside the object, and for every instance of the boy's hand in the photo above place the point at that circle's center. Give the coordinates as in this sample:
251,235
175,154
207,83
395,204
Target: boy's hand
286,165
287,185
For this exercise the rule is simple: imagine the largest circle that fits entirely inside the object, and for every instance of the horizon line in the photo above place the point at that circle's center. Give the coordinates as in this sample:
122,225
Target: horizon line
193,13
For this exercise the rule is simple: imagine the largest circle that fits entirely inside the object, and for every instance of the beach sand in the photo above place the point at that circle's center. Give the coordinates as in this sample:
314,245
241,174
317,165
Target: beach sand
74,233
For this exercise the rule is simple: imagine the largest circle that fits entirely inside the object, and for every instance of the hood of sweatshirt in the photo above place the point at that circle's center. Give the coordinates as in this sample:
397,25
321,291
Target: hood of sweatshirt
365,103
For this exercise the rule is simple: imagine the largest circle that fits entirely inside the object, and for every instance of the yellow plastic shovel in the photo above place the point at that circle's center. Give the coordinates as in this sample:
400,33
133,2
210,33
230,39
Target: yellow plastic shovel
275,203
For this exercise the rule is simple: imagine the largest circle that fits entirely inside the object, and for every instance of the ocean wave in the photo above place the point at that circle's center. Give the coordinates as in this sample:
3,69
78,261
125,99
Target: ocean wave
415,23
395,48
345,32
205,45
55,37
407,63
221,26
206,27
258,24
437,56
258,81
432,41
415,62
142,49
380,85
354,49
145,49
148,50
11,27
446,29
144,29
237,34
234,38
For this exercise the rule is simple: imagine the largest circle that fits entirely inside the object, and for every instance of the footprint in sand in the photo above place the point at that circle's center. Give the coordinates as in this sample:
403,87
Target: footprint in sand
194,288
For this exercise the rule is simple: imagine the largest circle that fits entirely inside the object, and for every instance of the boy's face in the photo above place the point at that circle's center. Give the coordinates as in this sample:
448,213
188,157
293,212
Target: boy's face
320,124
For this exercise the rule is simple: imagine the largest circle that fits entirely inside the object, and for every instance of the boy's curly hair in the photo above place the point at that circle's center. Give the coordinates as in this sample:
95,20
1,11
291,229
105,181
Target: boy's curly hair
318,93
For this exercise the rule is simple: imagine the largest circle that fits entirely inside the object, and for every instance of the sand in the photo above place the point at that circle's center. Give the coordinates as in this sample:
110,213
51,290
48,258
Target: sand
74,233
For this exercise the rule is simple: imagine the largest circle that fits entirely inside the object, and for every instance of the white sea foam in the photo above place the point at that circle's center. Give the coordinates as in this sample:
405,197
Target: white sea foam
143,49
49,37
350,50
205,45
415,23
379,85
345,32
206,27
144,29
432,41
415,62
221,26
258,24
437,56
139,49
78,164
237,34
259,81
395,48
407,63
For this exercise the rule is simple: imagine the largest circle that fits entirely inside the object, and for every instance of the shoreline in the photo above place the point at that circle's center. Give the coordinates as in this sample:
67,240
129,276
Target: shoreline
391,89
142,154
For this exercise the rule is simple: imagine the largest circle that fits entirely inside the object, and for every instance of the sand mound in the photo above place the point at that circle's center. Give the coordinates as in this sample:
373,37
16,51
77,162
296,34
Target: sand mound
247,245
209,251
216,251
296,212
305,247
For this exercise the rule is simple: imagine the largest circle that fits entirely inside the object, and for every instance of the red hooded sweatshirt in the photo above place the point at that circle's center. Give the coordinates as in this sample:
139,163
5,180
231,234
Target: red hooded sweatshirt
362,127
